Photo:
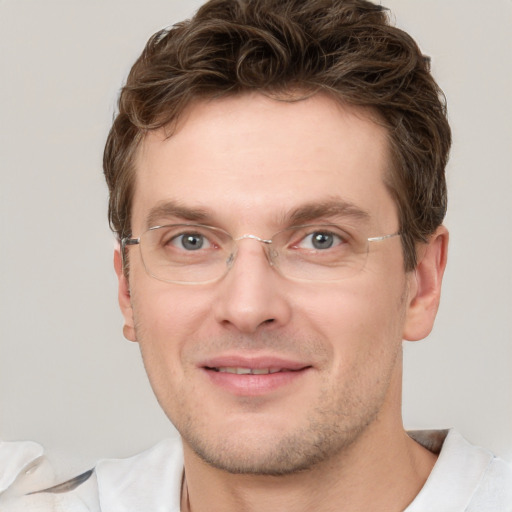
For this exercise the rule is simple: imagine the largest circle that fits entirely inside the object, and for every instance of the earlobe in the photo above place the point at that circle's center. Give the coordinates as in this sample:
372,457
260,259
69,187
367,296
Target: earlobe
124,297
425,287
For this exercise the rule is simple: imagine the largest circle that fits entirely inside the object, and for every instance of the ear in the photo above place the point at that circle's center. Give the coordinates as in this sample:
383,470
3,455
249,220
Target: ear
425,286
124,297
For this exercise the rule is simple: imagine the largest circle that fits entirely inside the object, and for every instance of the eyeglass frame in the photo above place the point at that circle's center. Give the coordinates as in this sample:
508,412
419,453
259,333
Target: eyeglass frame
128,241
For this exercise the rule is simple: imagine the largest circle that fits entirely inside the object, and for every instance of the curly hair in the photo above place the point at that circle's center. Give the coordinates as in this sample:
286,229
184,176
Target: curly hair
345,48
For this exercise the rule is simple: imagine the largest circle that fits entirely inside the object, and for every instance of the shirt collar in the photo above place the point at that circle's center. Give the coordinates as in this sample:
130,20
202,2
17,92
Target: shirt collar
456,474
17,456
148,481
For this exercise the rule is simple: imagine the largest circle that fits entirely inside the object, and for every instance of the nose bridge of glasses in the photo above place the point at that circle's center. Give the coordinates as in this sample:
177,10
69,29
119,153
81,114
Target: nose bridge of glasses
266,248
252,237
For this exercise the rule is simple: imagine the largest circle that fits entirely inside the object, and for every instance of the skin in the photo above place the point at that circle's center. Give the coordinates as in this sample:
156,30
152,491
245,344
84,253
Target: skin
334,433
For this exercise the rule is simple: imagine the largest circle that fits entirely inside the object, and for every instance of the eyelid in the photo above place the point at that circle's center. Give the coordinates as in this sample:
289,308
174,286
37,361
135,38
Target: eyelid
309,229
213,237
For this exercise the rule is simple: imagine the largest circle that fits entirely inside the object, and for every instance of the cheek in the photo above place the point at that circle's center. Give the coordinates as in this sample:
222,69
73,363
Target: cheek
357,321
165,320
364,335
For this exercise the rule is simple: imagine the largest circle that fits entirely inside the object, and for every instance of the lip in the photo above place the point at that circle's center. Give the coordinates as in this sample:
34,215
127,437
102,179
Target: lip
290,372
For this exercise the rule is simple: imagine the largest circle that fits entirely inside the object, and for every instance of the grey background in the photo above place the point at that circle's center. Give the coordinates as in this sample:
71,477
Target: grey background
68,379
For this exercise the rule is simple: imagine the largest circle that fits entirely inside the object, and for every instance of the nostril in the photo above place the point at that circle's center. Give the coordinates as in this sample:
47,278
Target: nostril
269,321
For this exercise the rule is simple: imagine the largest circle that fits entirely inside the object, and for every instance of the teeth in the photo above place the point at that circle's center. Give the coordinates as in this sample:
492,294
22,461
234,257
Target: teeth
260,371
247,371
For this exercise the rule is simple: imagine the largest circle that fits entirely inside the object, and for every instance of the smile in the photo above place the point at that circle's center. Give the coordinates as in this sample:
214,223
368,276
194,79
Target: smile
248,371
240,376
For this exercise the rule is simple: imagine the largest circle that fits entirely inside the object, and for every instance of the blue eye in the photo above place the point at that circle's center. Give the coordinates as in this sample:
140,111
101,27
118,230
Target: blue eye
190,241
320,240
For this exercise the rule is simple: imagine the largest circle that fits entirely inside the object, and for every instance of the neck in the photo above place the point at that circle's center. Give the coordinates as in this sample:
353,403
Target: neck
382,473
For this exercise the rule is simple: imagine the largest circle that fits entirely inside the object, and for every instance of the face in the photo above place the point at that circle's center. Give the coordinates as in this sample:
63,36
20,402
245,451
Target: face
247,164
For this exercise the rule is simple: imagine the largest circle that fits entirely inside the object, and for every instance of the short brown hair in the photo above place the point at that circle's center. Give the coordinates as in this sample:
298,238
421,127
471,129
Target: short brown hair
345,48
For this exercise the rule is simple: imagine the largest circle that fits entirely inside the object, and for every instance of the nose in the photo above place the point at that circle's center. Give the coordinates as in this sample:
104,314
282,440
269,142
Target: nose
252,295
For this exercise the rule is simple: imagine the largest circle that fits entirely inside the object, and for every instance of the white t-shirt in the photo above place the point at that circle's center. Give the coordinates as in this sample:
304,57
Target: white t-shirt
465,478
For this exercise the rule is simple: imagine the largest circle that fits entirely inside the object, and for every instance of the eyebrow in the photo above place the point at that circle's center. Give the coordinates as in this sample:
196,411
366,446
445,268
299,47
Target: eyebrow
172,209
330,208
308,212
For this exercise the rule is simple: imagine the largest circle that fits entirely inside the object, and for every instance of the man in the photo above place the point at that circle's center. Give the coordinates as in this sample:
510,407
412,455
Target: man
276,176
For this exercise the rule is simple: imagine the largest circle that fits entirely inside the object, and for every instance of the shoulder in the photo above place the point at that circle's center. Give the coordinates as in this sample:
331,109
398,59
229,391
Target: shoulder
143,482
465,478
488,478
23,469
18,459
494,491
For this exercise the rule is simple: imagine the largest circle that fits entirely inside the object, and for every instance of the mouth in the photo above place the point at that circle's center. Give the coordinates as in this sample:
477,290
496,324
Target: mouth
254,377
249,371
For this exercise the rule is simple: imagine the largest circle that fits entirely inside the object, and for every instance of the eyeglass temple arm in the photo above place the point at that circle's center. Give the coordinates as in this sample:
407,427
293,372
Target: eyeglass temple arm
127,241
383,237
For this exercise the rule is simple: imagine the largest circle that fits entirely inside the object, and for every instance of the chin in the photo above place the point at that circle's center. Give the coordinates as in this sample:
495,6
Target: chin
256,452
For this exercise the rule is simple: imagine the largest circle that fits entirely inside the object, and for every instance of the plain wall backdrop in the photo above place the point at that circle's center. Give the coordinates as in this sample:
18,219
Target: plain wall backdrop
68,379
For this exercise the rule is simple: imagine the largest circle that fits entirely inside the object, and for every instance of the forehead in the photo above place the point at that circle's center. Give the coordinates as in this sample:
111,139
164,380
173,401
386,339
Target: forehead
250,159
